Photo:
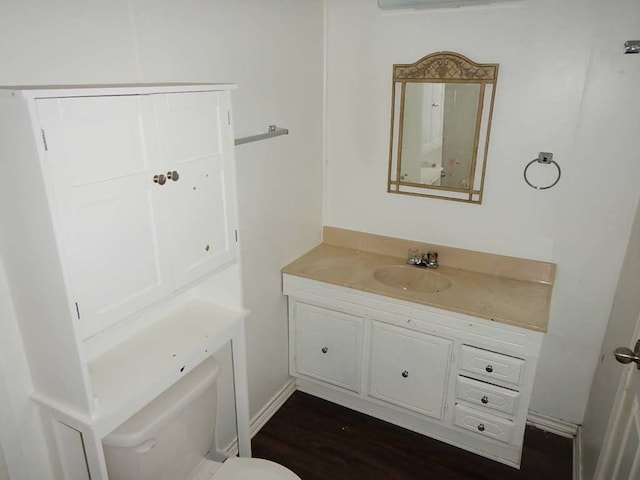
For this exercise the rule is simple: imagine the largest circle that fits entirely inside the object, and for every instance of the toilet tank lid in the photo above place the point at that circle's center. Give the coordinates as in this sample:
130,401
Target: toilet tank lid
143,425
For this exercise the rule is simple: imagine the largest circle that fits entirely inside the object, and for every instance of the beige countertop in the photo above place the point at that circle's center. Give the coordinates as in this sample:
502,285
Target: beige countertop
512,301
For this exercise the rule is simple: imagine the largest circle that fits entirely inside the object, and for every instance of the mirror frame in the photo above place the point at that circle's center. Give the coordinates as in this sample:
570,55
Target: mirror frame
442,67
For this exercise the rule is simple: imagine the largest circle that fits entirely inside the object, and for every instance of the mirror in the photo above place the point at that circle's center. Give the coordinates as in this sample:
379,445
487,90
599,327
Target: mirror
440,125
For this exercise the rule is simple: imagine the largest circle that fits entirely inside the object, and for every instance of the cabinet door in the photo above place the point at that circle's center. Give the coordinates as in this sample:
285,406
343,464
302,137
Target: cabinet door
409,369
328,345
194,141
101,158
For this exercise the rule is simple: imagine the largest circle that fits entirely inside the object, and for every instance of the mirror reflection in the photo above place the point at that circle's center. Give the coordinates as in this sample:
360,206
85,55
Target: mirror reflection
440,127
439,133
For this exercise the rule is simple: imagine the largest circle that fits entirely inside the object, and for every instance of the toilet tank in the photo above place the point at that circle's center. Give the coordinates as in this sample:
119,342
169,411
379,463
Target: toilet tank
168,438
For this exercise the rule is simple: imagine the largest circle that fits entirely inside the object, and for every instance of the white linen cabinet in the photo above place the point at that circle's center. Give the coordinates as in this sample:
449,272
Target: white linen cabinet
119,240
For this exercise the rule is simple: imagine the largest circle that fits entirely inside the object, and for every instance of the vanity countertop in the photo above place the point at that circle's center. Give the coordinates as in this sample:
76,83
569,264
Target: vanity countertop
522,303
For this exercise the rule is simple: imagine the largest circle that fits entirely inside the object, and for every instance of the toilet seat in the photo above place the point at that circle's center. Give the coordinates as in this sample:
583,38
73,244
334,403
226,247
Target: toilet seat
236,468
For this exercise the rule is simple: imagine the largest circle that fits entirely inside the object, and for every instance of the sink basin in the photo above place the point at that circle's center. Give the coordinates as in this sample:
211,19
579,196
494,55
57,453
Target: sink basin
411,278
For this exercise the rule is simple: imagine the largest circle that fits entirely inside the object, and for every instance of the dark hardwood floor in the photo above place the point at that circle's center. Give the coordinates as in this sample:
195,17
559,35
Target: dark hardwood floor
319,440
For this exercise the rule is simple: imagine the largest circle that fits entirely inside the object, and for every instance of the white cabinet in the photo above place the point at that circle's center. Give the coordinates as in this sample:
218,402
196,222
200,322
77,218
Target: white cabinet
328,345
193,138
409,369
463,380
118,232
139,188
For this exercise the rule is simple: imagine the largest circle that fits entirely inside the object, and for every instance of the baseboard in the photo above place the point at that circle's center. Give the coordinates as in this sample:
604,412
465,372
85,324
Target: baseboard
552,425
272,406
577,455
263,416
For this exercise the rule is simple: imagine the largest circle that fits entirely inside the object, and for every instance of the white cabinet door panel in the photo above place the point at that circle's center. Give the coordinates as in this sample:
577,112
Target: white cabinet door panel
104,138
108,209
328,345
410,369
190,125
199,204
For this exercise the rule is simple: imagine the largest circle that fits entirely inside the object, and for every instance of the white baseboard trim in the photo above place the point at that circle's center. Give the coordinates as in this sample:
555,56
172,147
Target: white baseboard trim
577,455
263,416
272,406
552,425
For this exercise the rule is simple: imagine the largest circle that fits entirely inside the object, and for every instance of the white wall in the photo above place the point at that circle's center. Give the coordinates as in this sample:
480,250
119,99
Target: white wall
4,472
564,86
273,51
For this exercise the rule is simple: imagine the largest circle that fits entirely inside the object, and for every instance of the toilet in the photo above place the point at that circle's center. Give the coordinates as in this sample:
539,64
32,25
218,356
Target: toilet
169,438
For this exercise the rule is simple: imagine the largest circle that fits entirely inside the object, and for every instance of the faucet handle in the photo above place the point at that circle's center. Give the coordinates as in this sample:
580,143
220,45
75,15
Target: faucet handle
431,259
413,256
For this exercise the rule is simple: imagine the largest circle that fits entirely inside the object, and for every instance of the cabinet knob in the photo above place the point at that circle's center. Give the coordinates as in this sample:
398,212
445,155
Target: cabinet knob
485,399
481,427
160,179
489,368
405,374
173,176
325,349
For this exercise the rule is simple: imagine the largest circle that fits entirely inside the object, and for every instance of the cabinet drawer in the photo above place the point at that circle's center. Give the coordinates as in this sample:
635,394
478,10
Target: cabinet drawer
328,345
487,395
483,423
409,369
491,365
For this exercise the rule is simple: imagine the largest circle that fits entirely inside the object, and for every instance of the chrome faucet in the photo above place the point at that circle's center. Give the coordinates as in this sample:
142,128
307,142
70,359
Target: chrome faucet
426,260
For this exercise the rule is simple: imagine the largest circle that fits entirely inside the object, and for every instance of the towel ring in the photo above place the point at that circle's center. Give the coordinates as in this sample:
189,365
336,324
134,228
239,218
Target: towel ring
545,158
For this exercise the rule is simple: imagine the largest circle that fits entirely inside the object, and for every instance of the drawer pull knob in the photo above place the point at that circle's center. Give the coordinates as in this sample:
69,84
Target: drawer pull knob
173,176
481,427
405,374
489,368
485,399
325,349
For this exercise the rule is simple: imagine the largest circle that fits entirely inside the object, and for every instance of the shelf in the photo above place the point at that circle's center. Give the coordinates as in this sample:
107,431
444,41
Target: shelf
127,377
272,131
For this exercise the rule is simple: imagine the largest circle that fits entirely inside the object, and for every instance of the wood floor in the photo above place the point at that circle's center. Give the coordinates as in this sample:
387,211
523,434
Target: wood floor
319,440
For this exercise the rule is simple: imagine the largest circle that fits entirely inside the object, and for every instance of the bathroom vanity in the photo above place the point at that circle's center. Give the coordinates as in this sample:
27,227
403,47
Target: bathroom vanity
450,353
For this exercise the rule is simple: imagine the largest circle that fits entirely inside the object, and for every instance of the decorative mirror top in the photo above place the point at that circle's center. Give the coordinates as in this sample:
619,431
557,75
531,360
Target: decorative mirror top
446,66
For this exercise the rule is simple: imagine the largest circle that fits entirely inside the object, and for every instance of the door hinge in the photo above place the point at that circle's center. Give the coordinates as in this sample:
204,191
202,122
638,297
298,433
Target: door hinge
78,310
236,235
44,141
229,117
